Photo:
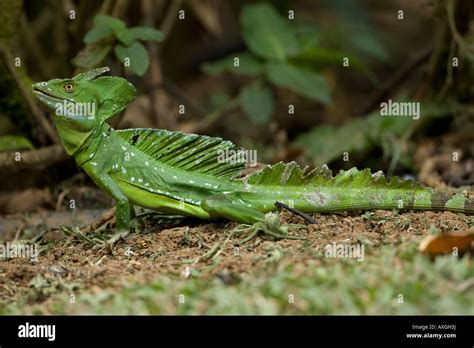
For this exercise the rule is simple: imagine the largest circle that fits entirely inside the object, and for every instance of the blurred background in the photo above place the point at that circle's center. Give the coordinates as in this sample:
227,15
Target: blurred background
295,80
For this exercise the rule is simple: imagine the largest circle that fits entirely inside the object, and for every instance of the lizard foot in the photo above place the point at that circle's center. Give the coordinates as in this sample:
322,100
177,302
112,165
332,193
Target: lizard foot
270,226
114,239
117,236
120,234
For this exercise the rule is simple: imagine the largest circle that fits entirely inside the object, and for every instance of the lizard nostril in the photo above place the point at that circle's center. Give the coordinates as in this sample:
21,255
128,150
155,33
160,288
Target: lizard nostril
44,84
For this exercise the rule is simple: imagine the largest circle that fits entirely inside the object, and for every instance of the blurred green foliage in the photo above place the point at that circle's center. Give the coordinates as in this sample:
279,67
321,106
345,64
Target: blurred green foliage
14,142
110,32
325,144
272,41
286,53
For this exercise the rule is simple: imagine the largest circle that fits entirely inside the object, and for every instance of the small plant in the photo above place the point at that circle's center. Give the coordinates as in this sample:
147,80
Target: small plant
110,32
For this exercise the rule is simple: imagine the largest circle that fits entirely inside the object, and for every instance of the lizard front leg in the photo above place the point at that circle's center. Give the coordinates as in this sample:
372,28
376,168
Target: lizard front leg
124,210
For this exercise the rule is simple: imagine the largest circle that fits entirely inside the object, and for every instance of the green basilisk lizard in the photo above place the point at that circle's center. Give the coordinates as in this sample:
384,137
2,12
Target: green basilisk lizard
177,173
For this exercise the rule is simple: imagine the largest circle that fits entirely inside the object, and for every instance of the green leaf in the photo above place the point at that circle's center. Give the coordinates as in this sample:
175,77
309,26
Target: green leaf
307,37
124,37
97,33
139,33
218,100
136,54
248,65
302,81
91,56
14,142
104,26
319,58
113,23
367,43
325,144
257,102
266,33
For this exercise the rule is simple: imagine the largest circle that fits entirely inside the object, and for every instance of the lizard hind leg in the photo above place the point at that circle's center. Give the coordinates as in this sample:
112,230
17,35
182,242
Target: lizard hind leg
237,210
222,206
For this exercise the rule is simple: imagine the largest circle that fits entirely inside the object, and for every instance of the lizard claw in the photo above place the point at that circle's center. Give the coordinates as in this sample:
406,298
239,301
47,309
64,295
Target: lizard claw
271,226
274,228
119,235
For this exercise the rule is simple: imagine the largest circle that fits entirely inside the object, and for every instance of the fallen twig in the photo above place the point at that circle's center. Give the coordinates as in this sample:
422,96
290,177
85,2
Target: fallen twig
306,217
32,159
38,116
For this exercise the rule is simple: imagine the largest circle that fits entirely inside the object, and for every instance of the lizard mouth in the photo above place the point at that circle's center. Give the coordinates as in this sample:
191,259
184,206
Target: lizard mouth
42,93
48,100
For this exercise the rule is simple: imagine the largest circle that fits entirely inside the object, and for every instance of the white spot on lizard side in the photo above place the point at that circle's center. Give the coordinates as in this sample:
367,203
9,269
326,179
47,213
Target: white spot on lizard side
247,186
318,199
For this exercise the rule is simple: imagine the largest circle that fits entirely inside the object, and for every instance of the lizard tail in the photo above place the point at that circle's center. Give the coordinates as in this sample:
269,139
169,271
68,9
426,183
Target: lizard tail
440,201
319,191
321,201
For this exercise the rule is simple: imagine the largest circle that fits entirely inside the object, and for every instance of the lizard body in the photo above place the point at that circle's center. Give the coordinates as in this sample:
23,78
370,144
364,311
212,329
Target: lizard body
180,173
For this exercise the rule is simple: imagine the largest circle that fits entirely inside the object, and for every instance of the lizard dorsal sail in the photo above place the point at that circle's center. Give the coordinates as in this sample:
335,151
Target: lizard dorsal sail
291,174
189,152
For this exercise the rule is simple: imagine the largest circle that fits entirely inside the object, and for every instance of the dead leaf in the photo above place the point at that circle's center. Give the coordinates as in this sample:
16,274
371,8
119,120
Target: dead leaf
443,244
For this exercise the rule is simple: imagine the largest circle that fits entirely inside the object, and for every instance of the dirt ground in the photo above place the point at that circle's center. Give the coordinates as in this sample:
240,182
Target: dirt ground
71,265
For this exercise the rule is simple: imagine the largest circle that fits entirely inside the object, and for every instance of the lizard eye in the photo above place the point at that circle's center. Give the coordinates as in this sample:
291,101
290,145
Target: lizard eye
69,87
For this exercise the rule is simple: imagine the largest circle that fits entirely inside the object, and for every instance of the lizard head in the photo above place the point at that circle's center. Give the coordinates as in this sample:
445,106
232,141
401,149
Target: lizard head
81,104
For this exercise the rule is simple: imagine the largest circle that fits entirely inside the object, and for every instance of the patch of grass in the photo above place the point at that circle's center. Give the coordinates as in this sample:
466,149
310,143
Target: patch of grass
388,281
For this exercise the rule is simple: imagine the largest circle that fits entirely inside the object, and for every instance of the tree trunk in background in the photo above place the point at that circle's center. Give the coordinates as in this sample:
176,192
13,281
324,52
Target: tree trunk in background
159,100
